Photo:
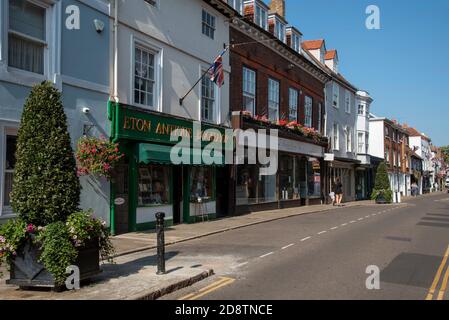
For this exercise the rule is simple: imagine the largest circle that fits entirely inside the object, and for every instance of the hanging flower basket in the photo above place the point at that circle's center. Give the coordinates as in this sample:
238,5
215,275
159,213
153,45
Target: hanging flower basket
97,156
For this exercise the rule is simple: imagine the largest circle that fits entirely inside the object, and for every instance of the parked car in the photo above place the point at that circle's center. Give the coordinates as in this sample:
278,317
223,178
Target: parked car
447,183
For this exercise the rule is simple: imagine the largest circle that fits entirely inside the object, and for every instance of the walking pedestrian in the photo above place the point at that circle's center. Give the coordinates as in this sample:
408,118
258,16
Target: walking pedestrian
338,192
414,189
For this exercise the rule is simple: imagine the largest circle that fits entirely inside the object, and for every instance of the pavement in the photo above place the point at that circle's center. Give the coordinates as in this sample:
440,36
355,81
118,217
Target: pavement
333,255
220,252
141,241
133,276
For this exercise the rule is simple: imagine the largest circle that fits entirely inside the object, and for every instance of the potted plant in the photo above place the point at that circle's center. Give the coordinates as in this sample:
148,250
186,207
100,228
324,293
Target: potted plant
382,191
50,232
97,156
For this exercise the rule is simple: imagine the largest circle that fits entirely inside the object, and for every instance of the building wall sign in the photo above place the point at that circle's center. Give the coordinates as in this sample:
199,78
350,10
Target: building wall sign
293,146
135,124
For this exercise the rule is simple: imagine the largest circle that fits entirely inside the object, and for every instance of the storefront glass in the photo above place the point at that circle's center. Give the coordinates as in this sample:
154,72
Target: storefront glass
201,183
252,188
153,185
314,178
301,177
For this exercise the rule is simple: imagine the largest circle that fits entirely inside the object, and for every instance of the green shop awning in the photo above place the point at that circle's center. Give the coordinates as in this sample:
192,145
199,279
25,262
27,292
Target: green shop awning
160,154
154,153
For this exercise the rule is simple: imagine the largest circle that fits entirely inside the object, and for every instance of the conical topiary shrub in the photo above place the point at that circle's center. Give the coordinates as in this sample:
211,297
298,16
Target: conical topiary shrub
382,186
46,187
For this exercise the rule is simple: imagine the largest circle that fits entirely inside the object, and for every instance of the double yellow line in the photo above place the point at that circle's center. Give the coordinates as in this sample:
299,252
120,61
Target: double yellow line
224,281
443,287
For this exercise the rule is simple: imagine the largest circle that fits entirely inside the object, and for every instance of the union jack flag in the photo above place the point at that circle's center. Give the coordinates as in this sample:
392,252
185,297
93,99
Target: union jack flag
217,71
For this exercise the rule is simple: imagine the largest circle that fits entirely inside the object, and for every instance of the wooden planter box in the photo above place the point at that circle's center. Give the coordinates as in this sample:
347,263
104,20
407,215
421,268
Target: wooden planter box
27,272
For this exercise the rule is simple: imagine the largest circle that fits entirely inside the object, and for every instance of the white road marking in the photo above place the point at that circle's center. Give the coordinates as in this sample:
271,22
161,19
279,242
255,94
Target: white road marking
360,219
305,239
266,255
344,224
241,264
334,228
367,217
286,247
353,221
322,232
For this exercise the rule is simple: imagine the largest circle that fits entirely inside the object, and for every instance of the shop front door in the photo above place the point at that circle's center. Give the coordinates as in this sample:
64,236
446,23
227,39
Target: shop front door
177,194
121,200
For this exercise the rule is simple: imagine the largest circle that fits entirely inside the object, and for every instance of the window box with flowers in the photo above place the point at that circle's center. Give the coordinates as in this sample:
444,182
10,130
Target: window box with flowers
288,126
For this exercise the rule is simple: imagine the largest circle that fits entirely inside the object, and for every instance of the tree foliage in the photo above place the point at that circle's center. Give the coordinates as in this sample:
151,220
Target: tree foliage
46,187
382,184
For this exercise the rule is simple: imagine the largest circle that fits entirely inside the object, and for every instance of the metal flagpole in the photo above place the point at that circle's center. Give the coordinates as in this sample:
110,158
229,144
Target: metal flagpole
181,100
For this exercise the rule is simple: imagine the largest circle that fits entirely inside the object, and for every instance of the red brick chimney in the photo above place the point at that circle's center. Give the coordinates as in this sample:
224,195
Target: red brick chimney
278,6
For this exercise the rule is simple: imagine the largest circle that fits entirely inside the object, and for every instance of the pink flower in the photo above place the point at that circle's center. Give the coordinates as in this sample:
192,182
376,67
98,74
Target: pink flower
30,228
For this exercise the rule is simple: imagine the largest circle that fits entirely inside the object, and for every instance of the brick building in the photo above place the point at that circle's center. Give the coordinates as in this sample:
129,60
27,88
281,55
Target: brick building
390,141
273,84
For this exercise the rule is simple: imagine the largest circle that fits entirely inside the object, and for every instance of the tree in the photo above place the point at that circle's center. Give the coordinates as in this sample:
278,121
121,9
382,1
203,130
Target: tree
46,188
382,184
445,152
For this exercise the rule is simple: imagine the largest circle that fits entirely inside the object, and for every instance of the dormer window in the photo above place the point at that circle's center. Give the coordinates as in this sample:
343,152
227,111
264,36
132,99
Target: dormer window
294,39
261,17
260,10
237,5
280,30
277,26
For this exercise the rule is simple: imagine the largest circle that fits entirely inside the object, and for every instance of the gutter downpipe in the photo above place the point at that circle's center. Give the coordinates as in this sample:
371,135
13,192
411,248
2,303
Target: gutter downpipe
112,114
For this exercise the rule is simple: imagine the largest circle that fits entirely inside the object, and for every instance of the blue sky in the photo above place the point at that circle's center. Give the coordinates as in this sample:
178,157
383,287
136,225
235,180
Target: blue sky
404,66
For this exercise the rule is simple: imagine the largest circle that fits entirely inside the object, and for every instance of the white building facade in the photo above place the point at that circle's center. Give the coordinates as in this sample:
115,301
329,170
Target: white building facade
364,174
163,51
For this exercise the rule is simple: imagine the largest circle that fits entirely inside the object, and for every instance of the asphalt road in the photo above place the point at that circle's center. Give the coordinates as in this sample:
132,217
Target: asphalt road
326,255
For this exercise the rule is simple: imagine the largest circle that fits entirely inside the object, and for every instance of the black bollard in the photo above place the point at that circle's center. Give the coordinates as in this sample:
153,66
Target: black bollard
160,243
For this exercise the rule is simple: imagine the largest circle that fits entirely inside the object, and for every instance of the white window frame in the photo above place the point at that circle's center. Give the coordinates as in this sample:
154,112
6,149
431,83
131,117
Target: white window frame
250,95
6,128
217,102
293,98
335,95
361,148
308,111
296,40
260,19
52,52
361,110
236,6
204,23
273,98
336,136
158,63
280,31
348,138
347,102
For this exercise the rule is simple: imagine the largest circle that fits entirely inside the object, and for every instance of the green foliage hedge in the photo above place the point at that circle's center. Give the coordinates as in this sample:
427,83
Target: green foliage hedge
382,184
46,187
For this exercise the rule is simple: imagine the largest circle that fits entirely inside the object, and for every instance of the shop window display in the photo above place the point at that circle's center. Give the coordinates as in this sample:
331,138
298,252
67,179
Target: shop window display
201,183
314,178
252,188
288,188
153,185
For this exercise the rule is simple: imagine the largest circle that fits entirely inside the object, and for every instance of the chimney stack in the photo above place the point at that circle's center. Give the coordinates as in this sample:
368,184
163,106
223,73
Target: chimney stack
278,6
